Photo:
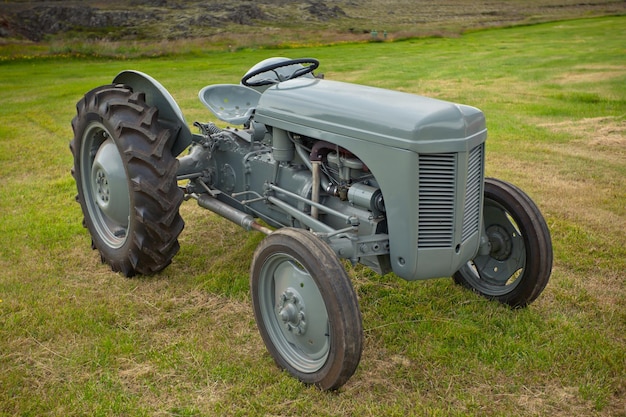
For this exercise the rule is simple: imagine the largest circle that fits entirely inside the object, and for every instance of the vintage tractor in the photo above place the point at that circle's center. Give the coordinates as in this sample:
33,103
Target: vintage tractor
329,171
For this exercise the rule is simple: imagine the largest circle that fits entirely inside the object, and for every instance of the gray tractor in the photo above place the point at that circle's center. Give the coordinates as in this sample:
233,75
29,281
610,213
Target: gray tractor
329,171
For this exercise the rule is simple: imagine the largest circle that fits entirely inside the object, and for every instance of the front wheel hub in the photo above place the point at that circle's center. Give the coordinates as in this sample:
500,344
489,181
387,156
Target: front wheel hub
291,311
501,243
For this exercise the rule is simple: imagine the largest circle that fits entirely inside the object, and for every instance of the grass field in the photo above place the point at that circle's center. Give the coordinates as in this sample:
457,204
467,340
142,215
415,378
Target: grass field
77,339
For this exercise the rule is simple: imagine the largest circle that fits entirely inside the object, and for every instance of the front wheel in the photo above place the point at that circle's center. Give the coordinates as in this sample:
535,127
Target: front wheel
519,263
306,308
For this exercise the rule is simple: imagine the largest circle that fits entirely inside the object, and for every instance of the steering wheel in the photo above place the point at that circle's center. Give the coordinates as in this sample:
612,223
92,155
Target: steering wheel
313,64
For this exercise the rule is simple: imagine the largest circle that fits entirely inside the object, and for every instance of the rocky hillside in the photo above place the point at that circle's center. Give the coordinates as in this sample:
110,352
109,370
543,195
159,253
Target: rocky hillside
152,19
175,19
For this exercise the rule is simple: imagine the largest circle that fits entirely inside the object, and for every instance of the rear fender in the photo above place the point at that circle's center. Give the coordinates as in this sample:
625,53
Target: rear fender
170,114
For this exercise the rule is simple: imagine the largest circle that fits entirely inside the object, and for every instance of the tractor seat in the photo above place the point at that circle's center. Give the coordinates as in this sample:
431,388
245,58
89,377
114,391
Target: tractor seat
232,103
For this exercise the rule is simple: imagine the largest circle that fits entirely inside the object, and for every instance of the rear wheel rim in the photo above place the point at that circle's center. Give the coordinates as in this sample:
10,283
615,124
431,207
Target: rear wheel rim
105,185
294,313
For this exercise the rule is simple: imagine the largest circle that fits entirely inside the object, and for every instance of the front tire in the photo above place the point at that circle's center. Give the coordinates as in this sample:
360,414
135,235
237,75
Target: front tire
126,179
519,264
306,308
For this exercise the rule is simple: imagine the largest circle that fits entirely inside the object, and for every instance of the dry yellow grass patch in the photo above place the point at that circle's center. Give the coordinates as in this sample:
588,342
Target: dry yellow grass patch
591,74
594,131
595,141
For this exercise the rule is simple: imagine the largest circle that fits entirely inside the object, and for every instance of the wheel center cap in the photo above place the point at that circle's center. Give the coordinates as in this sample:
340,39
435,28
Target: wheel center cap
501,244
292,312
103,191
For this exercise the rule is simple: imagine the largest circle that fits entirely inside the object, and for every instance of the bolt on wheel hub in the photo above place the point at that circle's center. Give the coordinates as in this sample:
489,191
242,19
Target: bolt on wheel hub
102,189
501,244
291,311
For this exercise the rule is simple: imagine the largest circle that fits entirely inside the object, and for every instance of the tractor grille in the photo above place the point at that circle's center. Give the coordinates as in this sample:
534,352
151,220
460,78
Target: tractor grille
471,211
436,200
438,190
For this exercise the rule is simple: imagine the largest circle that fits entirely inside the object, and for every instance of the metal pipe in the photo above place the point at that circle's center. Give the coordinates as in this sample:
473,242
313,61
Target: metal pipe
315,187
308,221
324,182
346,218
189,176
236,216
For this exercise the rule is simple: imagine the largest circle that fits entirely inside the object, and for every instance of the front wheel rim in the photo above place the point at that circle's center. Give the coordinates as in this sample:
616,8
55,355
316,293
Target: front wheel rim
499,272
294,313
105,186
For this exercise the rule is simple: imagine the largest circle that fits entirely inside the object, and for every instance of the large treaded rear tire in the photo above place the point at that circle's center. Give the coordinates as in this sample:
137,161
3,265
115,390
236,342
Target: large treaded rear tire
126,179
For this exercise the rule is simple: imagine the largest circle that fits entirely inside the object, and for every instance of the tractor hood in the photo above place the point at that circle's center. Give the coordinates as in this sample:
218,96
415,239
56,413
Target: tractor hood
391,118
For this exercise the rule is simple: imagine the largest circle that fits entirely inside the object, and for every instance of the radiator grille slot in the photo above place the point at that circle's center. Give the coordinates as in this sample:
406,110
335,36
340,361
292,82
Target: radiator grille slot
471,211
438,190
437,184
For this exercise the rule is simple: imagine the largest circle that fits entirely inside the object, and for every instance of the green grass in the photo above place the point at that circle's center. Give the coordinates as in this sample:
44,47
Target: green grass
77,339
